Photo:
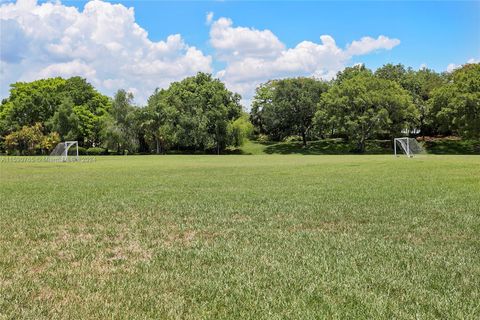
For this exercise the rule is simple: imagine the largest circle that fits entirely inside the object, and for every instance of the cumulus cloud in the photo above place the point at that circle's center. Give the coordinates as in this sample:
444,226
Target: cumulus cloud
242,43
452,66
102,43
253,56
369,44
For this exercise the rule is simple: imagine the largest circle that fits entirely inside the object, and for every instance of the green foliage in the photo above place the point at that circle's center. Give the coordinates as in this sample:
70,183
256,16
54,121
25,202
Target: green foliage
96,151
30,140
286,107
81,151
456,105
51,102
362,106
199,114
193,114
119,128
452,146
239,130
65,121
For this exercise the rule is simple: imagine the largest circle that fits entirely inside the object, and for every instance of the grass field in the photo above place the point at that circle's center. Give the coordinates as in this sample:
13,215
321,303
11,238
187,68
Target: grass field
241,237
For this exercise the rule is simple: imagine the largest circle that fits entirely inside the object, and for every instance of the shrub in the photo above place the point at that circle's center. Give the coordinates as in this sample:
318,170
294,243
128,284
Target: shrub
81,151
292,139
262,138
95,151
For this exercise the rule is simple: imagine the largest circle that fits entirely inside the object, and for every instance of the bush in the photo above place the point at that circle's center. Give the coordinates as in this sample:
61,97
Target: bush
262,138
95,151
292,139
81,151
451,146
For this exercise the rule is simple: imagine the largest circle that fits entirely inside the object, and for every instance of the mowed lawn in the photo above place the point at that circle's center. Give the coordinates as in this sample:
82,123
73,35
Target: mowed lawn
241,237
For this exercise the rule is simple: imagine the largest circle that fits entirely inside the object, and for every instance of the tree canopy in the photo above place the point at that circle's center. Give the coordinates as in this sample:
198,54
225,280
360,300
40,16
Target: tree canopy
287,107
199,113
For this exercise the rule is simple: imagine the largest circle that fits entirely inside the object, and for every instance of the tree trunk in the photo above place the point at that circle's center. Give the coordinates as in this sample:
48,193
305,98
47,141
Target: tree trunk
304,139
158,145
361,145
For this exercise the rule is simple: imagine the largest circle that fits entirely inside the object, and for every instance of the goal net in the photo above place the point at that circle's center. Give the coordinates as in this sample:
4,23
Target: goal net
60,153
409,146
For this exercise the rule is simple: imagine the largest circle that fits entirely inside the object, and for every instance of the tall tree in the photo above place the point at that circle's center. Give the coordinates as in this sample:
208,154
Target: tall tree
65,121
363,106
119,131
38,101
456,106
195,112
287,107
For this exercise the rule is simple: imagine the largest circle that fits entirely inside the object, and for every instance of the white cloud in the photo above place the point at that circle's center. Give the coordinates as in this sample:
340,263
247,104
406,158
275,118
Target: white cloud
254,56
452,66
369,44
102,43
242,43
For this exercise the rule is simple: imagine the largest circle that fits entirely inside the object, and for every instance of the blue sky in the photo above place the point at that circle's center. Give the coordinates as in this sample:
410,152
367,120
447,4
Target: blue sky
435,33
244,43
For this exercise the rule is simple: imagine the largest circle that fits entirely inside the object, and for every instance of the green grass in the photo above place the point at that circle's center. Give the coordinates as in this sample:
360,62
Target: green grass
241,237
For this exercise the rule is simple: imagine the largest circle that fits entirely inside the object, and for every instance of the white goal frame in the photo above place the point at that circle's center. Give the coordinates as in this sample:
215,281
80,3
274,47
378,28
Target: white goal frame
64,155
408,148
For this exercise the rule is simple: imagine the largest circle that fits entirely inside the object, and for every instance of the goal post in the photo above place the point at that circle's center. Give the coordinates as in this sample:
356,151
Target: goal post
60,153
408,146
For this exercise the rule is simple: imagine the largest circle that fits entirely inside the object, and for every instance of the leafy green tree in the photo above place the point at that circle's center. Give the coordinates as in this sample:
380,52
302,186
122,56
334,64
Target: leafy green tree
193,114
287,107
351,72
39,101
456,105
65,121
420,84
30,140
362,106
262,100
239,130
392,72
30,103
119,133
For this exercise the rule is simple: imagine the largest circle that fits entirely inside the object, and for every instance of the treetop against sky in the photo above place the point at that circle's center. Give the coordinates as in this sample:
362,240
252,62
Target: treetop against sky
142,45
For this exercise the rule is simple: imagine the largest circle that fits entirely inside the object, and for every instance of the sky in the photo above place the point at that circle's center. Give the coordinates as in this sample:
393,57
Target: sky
143,45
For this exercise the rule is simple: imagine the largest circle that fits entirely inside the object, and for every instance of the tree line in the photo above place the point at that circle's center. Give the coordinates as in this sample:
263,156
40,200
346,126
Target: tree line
360,104
199,114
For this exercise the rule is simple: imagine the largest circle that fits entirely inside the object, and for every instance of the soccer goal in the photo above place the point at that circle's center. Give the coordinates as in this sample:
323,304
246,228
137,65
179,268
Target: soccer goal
60,153
409,146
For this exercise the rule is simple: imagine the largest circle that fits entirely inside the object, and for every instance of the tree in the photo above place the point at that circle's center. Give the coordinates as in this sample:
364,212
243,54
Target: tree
30,103
192,114
420,84
362,106
39,101
30,140
287,107
65,121
119,132
392,72
239,131
262,100
456,105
